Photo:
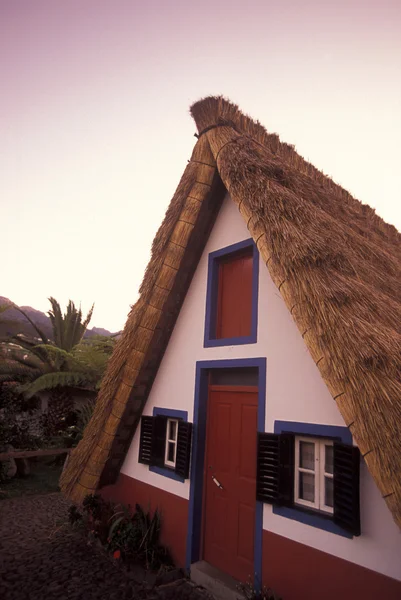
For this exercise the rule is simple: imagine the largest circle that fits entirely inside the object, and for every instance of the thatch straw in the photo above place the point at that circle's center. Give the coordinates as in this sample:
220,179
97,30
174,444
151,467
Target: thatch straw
335,262
115,398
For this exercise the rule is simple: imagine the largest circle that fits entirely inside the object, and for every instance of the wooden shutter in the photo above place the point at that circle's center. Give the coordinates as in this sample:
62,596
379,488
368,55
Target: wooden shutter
183,455
287,469
346,487
158,441
145,440
268,468
275,471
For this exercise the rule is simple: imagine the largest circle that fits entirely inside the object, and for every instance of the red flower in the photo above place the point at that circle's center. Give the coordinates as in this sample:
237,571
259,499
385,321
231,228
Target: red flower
116,554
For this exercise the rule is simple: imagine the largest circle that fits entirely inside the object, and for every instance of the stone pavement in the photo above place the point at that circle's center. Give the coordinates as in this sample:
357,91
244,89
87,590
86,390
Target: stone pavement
43,559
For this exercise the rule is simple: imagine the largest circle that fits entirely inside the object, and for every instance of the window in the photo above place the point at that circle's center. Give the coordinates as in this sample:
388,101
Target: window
234,376
171,442
314,473
314,480
165,443
232,295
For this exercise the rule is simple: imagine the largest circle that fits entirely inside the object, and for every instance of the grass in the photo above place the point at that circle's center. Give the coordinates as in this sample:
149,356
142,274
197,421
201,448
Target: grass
43,479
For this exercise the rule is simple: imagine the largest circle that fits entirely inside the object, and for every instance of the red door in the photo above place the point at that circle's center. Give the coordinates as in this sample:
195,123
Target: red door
229,510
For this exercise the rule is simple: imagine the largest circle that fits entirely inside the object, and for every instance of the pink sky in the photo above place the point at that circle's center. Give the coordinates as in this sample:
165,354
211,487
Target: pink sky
95,130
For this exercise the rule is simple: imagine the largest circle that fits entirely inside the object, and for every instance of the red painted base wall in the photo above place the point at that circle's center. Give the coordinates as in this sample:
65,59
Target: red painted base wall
299,572
174,510
293,570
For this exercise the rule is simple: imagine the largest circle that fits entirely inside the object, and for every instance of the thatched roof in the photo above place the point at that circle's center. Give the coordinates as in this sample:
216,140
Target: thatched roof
334,261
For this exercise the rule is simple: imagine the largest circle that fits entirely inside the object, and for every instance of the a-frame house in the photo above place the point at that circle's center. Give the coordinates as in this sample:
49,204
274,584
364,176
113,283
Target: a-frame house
255,394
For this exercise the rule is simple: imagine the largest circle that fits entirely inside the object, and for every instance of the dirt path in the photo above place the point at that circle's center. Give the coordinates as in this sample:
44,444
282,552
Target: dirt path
40,559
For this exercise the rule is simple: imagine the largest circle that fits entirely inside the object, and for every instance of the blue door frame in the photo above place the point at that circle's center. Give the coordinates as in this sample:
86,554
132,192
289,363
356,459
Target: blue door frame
198,455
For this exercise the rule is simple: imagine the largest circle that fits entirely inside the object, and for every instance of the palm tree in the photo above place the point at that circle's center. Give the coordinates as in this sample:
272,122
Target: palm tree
68,329
66,364
46,364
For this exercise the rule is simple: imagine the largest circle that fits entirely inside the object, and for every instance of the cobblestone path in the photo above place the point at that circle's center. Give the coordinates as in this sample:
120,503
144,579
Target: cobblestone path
43,559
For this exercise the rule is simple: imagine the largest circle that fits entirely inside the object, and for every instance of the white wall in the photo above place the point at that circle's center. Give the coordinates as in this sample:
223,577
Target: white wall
295,391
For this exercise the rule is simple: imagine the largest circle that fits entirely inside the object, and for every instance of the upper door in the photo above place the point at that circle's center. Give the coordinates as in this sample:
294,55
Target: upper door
230,480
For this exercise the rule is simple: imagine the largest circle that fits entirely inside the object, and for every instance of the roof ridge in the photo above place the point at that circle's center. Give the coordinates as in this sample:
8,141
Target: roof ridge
213,111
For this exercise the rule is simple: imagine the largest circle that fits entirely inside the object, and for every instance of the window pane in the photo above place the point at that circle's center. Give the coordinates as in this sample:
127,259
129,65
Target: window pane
170,452
328,491
244,376
307,455
307,486
328,462
172,430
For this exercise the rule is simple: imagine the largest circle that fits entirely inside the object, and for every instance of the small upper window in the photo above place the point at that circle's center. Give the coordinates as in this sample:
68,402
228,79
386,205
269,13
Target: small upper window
234,296
171,443
313,485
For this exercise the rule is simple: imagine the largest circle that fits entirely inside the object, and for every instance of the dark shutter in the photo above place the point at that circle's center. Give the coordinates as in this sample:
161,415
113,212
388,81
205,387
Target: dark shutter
268,468
183,455
346,487
158,441
145,440
275,471
286,469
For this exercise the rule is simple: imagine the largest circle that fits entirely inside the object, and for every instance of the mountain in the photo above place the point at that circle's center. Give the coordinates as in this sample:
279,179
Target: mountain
98,331
13,322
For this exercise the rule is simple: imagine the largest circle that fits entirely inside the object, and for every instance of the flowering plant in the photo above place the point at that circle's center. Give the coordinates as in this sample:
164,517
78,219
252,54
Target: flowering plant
137,535
127,535
250,591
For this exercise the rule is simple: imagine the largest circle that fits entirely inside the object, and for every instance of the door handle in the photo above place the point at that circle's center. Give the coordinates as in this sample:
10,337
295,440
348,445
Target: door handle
217,482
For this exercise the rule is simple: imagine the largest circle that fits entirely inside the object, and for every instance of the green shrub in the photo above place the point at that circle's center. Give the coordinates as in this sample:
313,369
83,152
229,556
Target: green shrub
134,537
137,537
16,418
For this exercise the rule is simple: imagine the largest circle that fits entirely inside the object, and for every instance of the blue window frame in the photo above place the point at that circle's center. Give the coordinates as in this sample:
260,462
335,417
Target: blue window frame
296,512
212,291
172,414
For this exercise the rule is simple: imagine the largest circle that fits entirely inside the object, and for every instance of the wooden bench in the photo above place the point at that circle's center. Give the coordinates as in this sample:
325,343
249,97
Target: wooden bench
32,453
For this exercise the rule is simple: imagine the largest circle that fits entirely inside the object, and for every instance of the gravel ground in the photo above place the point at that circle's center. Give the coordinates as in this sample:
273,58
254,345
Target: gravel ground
42,558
